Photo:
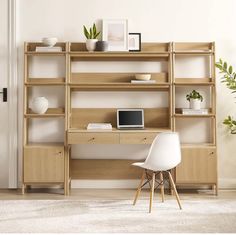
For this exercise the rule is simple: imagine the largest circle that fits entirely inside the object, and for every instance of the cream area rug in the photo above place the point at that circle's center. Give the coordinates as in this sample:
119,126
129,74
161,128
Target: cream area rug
75,216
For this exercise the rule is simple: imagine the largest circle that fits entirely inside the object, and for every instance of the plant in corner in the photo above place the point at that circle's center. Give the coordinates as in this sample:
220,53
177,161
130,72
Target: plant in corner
229,78
91,34
195,99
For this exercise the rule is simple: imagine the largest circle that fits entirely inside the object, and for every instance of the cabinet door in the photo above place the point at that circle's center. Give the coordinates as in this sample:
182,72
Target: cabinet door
198,165
44,164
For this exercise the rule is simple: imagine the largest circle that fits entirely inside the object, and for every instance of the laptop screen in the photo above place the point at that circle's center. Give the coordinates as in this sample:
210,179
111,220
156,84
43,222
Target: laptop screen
130,118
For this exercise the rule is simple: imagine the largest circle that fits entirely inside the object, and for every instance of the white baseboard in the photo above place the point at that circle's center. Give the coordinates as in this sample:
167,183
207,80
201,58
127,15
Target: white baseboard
226,183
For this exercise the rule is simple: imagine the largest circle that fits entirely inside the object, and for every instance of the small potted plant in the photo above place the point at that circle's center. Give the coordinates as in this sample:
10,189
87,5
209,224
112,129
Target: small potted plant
195,99
91,36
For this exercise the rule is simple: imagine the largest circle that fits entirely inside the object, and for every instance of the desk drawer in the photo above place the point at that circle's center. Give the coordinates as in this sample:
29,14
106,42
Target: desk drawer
93,138
137,138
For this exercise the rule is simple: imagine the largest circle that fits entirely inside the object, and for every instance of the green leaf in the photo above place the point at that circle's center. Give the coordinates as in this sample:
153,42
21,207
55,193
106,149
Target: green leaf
96,35
86,33
221,61
91,33
225,65
94,30
219,66
230,69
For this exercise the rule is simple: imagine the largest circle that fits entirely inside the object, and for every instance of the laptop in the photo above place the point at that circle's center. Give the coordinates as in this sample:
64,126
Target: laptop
130,118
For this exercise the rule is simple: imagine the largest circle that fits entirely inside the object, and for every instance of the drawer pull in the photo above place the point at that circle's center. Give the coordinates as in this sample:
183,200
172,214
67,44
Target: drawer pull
145,138
211,153
59,153
92,139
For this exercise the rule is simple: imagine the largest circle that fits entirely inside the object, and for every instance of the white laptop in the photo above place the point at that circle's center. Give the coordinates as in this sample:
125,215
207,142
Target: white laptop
130,119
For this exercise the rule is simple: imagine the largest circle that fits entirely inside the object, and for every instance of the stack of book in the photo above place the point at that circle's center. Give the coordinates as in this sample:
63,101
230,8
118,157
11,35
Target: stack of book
99,126
194,111
48,49
143,81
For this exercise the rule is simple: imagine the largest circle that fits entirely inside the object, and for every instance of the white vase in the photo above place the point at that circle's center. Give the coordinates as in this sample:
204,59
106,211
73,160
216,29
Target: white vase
39,105
91,44
195,104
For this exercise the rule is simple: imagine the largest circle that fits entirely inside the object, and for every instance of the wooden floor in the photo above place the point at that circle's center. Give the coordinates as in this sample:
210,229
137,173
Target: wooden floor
104,194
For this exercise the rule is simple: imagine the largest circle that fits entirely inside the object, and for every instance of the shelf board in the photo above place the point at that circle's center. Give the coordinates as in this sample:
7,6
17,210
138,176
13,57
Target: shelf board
45,81
44,144
51,112
119,86
34,53
178,115
194,52
193,81
83,55
115,130
198,145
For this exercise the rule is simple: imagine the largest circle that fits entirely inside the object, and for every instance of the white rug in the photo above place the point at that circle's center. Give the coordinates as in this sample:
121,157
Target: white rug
216,215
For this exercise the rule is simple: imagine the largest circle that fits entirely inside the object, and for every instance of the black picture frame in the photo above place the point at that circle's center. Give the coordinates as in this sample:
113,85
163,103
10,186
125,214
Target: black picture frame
136,41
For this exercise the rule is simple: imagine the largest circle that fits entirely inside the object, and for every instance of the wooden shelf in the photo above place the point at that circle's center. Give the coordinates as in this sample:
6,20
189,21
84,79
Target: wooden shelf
118,56
34,53
51,112
43,144
194,115
198,145
200,53
119,87
45,81
193,82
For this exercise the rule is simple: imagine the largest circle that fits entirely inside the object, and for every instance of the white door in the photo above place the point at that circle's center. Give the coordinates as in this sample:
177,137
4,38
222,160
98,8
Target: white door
8,159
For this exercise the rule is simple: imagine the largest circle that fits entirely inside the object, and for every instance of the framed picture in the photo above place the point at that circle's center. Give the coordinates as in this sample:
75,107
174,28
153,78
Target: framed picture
116,33
134,41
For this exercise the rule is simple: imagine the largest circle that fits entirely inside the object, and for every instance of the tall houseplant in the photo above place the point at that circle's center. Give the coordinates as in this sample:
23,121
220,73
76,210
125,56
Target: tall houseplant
229,78
91,34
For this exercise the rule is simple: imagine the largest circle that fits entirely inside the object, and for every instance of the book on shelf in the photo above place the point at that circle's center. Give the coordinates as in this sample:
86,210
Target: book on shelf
99,126
48,49
194,111
143,82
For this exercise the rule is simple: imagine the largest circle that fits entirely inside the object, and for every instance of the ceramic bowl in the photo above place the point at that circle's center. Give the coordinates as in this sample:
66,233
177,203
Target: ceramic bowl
143,76
49,42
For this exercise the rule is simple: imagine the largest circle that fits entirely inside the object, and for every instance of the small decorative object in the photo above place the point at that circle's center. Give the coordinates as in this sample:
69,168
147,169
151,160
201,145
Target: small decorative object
116,33
49,42
134,41
39,105
195,99
102,46
91,36
143,76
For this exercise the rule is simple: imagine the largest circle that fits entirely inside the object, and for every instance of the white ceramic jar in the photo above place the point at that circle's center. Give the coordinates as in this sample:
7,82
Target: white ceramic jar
195,104
39,105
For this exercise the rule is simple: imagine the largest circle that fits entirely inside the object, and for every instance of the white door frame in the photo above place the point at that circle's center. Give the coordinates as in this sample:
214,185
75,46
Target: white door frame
12,96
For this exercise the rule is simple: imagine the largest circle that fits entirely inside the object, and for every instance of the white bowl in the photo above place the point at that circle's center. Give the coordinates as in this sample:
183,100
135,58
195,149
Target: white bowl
143,76
50,42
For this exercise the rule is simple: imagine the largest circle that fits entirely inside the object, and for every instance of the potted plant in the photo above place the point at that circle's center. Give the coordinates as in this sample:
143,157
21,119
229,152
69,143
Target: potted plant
195,99
229,78
91,36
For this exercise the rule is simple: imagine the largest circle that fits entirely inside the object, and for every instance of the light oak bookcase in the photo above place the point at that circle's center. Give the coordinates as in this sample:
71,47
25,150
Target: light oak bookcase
50,163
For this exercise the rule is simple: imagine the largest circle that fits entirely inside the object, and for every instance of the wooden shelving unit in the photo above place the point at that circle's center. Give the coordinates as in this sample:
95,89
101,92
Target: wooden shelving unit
43,162
199,160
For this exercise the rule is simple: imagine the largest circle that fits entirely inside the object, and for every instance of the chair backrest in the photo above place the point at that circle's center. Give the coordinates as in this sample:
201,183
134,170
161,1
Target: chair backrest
165,152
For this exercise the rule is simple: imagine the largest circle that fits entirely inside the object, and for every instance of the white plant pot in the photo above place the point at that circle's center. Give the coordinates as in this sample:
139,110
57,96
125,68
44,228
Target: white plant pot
91,44
39,105
195,104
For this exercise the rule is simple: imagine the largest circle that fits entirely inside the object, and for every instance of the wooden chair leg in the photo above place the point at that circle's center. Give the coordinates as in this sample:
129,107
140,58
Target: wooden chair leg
152,191
174,188
139,187
162,187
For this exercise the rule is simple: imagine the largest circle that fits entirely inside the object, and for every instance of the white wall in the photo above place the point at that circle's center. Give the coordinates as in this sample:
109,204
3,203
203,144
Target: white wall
157,20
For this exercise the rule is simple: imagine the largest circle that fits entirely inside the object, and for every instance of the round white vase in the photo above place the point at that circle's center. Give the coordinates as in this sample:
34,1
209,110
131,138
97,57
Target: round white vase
39,105
195,104
91,44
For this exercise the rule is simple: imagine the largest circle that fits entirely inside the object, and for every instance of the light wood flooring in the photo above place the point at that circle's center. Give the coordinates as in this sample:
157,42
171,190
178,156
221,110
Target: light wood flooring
106,194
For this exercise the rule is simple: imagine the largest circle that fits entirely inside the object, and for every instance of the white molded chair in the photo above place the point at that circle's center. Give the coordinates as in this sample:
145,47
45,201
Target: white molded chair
164,155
